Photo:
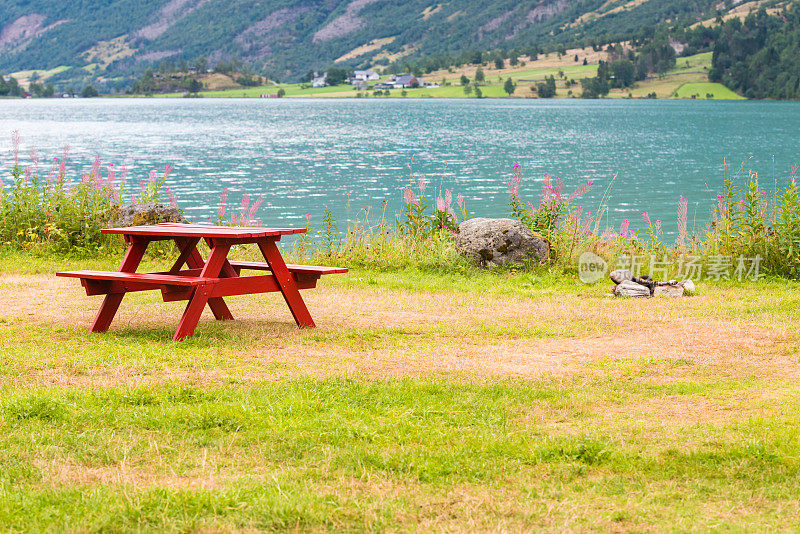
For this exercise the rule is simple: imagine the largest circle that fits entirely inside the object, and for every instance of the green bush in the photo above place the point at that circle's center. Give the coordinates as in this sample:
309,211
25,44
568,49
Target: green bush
54,213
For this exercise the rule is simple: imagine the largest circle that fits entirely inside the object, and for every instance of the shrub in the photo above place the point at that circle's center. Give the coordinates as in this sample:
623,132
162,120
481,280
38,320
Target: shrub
53,212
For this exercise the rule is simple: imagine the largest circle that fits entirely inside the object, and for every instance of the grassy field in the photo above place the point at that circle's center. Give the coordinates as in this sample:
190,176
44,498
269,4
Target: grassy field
425,400
707,91
689,70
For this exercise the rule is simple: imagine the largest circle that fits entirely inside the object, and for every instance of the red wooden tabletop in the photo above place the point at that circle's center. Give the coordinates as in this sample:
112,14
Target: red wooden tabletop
200,230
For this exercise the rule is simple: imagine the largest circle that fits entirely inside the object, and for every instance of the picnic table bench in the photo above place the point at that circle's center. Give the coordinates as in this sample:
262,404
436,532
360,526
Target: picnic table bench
203,281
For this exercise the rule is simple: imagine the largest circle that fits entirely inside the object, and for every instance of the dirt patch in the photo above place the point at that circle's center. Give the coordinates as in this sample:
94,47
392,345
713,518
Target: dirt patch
375,333
345,23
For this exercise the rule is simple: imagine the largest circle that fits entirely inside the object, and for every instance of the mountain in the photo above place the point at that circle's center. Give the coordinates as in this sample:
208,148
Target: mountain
113,41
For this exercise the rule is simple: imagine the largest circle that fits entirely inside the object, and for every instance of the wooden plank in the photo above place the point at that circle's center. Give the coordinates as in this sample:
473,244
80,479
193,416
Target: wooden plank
293,268
286,282
191,315
172,230
154,279
108,309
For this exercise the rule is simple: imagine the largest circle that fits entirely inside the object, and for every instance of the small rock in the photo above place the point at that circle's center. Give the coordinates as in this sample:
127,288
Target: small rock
620,275
148,213
631,289
668,291
688,285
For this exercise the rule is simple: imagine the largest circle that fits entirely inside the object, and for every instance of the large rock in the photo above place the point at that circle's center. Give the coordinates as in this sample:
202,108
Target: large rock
620,275
148,213
495,242
629,288
668,291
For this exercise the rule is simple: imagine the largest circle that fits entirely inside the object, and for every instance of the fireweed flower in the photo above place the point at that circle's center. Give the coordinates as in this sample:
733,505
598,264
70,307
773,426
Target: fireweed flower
682,219
646,218
173,200
623,230
15,145
253,209
409,196
308,217
460,200
422,184
448,197
35,159
223,201
62,169
440,206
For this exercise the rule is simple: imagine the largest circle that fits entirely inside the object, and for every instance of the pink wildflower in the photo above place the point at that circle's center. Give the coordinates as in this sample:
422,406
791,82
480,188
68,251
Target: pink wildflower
646,218
682,219
15,146
624,229
547,187
308,217
448,197
587,223
257,204
580,191
422,184
168,170
514,184
96,175
223,201
27,173
112,177
558,189
35,159
409,196
452,213
245,208
460,200
153,177
173,200
440,206
62,169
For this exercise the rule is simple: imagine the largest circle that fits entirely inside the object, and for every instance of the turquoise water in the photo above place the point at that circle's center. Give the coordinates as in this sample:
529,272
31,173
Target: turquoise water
303,155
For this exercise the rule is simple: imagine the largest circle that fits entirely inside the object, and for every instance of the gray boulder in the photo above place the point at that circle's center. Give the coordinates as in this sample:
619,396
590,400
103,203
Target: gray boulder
148,213
629,288
495,242
668,291
620,275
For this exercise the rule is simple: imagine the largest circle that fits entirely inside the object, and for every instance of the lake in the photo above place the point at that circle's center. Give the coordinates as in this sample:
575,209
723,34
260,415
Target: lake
303,155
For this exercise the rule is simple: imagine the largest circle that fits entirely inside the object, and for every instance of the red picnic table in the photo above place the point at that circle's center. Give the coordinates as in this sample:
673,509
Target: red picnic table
203,281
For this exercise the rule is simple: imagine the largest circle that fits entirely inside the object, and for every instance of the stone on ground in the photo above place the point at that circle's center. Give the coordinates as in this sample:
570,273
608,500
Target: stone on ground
495,242
148,213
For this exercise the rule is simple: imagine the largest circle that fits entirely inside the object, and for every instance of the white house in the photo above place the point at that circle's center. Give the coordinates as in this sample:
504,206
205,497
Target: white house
365,76
319,81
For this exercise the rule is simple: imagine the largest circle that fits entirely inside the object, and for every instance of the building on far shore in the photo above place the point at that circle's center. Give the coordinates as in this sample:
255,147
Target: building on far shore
319,80
407,80
365,76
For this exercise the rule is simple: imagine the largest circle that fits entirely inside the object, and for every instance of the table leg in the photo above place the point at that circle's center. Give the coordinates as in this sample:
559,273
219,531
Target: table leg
191,257
191,315
112,301
291,294
200,296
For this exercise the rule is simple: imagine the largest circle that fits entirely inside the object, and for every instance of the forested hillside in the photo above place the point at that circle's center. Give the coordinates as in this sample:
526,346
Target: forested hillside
760,57
111,42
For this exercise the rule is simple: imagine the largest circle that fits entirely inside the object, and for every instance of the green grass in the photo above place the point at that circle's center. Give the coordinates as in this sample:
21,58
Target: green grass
43,74
365,425
707,91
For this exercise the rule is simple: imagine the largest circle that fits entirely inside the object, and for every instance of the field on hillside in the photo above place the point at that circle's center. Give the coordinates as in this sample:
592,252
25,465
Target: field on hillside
424,400
568,73
707,91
